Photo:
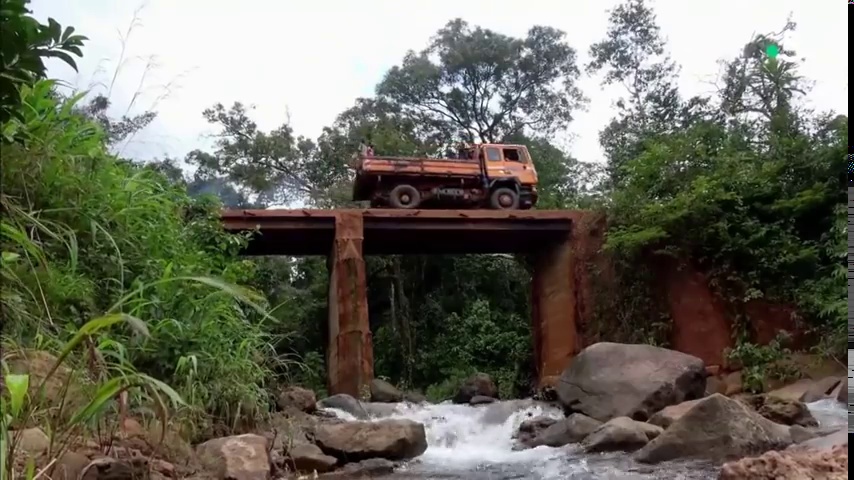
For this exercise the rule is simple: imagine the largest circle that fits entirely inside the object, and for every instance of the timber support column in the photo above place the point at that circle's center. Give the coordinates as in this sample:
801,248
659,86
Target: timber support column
349,356
554,313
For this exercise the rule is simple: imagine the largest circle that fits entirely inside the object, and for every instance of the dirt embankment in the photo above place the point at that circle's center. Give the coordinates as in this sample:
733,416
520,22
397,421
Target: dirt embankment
700,320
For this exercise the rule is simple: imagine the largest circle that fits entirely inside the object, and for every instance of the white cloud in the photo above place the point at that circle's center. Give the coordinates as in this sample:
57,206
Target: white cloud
312,59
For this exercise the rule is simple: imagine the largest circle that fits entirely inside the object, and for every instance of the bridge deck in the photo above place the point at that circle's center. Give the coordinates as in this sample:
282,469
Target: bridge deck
388,231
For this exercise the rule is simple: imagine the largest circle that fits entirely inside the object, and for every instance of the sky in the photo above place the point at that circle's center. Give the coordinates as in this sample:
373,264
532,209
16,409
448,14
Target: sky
305,62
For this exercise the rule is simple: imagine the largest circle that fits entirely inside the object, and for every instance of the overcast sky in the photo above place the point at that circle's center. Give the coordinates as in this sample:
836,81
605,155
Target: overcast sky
310,60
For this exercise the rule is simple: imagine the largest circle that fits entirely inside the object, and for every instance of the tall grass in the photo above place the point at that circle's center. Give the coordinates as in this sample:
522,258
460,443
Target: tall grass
85,235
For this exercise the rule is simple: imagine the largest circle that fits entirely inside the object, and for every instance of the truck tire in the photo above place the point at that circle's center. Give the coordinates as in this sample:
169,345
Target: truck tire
504,198
404,196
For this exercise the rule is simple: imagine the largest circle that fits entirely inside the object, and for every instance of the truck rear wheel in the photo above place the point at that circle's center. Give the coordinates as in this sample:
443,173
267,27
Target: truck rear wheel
504,199
404,196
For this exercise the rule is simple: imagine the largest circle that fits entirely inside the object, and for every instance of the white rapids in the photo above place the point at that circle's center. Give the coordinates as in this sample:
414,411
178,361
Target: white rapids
475,443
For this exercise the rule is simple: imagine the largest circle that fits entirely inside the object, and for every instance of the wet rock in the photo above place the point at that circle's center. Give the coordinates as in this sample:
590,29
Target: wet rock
239,457
790,465
826,442
384,392
821,389
346,403
572,429
371,468
32,441
715,385
414,397
620,434
716,427
479,384
801,434
841,393
379,410
672,413
609,380
481,400
297,398
532,428
306,457
355,441
783,411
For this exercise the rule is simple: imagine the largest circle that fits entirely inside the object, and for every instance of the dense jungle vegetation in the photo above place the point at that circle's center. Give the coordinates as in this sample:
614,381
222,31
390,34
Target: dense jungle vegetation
745,184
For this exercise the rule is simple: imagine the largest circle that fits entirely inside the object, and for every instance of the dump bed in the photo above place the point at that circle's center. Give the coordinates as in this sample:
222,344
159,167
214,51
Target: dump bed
445,167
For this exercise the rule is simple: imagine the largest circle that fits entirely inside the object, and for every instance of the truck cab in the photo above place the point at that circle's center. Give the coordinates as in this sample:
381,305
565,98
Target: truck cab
498,176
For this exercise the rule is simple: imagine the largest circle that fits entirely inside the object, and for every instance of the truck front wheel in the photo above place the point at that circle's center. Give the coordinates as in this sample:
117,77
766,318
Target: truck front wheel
504,199
404,196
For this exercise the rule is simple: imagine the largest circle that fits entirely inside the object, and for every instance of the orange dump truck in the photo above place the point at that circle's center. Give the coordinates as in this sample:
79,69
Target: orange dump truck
482,176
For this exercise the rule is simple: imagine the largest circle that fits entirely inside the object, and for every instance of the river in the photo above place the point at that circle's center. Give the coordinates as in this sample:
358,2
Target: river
475,443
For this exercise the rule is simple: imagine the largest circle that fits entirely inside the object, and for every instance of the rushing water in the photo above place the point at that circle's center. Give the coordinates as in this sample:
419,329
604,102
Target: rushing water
475,443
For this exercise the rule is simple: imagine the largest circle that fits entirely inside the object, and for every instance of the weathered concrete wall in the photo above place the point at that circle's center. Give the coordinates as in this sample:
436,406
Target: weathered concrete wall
350,360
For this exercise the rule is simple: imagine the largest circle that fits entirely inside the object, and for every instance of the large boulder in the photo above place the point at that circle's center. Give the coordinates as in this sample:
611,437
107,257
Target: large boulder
297,398
477,385
620,434
609,380
345,403
239,457
384,392
356,441
716,428
572,429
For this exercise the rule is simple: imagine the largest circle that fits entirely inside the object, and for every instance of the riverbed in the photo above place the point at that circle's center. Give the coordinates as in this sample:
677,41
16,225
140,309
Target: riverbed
475,443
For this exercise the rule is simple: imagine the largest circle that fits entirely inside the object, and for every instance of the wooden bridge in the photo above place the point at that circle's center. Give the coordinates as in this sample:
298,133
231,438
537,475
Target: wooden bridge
345,236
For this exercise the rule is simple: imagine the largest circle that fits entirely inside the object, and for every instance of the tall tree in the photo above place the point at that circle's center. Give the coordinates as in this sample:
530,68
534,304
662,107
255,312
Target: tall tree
475,84
277,165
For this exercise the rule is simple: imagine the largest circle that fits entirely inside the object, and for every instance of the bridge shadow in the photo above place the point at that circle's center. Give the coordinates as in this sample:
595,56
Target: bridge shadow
346,236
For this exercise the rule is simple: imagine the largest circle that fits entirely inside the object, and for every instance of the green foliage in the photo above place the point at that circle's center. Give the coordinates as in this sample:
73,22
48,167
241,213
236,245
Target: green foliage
84,232
24,45
761,363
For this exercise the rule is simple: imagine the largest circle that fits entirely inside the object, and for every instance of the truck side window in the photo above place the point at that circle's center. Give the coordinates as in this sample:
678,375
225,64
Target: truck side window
493,155
512,155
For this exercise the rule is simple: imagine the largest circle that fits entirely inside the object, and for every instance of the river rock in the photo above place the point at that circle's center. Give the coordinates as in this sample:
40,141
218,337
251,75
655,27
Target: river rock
307,457
239,457
345,403
384,392
481,400
355,441
532,428
716,427
297,398
572,429
783,411
414,397
609,380
620,434
479,384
